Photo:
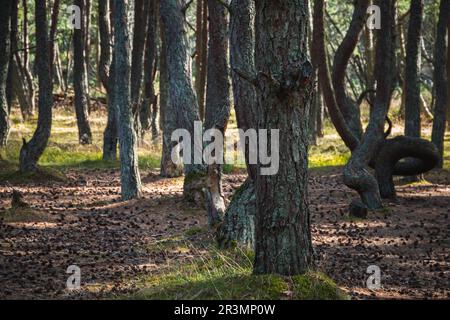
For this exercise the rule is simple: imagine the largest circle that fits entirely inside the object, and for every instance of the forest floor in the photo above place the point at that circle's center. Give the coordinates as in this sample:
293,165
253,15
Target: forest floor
148,246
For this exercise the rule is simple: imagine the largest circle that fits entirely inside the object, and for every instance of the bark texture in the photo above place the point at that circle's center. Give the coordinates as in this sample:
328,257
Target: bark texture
440,80
217,111
32,151
283,237
181,90
129,171
237,227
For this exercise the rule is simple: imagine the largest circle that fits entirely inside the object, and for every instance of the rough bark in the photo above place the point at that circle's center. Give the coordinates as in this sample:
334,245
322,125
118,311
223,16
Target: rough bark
32,151
412,70
182,95
237,227
217,110
356,172
79,81
168,116
110,138
440,80
349,109
283,237
5,29
148,109
201,53
129,171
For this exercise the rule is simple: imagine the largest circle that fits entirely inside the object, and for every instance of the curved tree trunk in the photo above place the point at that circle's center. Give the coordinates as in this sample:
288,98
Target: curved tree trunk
5,29
217,111
79,81
32,151
356,173
182,95
348,108
283,236
440,80
129,171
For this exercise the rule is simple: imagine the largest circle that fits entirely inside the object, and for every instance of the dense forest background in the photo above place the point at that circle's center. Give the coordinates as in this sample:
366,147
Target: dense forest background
87,176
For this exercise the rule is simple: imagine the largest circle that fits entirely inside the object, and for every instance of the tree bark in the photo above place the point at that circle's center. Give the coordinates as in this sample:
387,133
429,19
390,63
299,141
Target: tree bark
79,81
5,30
356,173
137,61
217,111
129,171
169,169
182,95
348,108
149,106
105,39
238,222
283,237
440,80
32,151
412,70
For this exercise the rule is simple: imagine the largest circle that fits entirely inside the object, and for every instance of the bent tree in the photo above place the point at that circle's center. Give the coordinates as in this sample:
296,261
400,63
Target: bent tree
5,26
284,87
79,81
129,171
31,151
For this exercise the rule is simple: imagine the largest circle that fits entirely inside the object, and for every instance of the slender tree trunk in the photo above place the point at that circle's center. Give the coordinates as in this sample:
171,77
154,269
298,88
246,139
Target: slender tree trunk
140,24
105,39
87,48
448,73
10,93
283,236
110,138
440,80
169,169
26,64
19,90
181,90
148,109
217,110
32,151
348,108
81,104
412,71
238,224
129,171
356,173
5,30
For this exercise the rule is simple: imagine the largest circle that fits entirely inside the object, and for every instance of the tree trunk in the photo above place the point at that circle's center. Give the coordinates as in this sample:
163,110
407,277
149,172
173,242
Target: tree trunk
412,70
81,104
348,108
356,173
105,39
238,223
129,171
10,94
110,138
440,80
32,151
217,110
181,90
169,169
148,107
137,61
283,236
5,29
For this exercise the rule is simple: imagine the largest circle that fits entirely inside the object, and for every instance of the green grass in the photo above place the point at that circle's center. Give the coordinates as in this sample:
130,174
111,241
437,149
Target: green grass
227,275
